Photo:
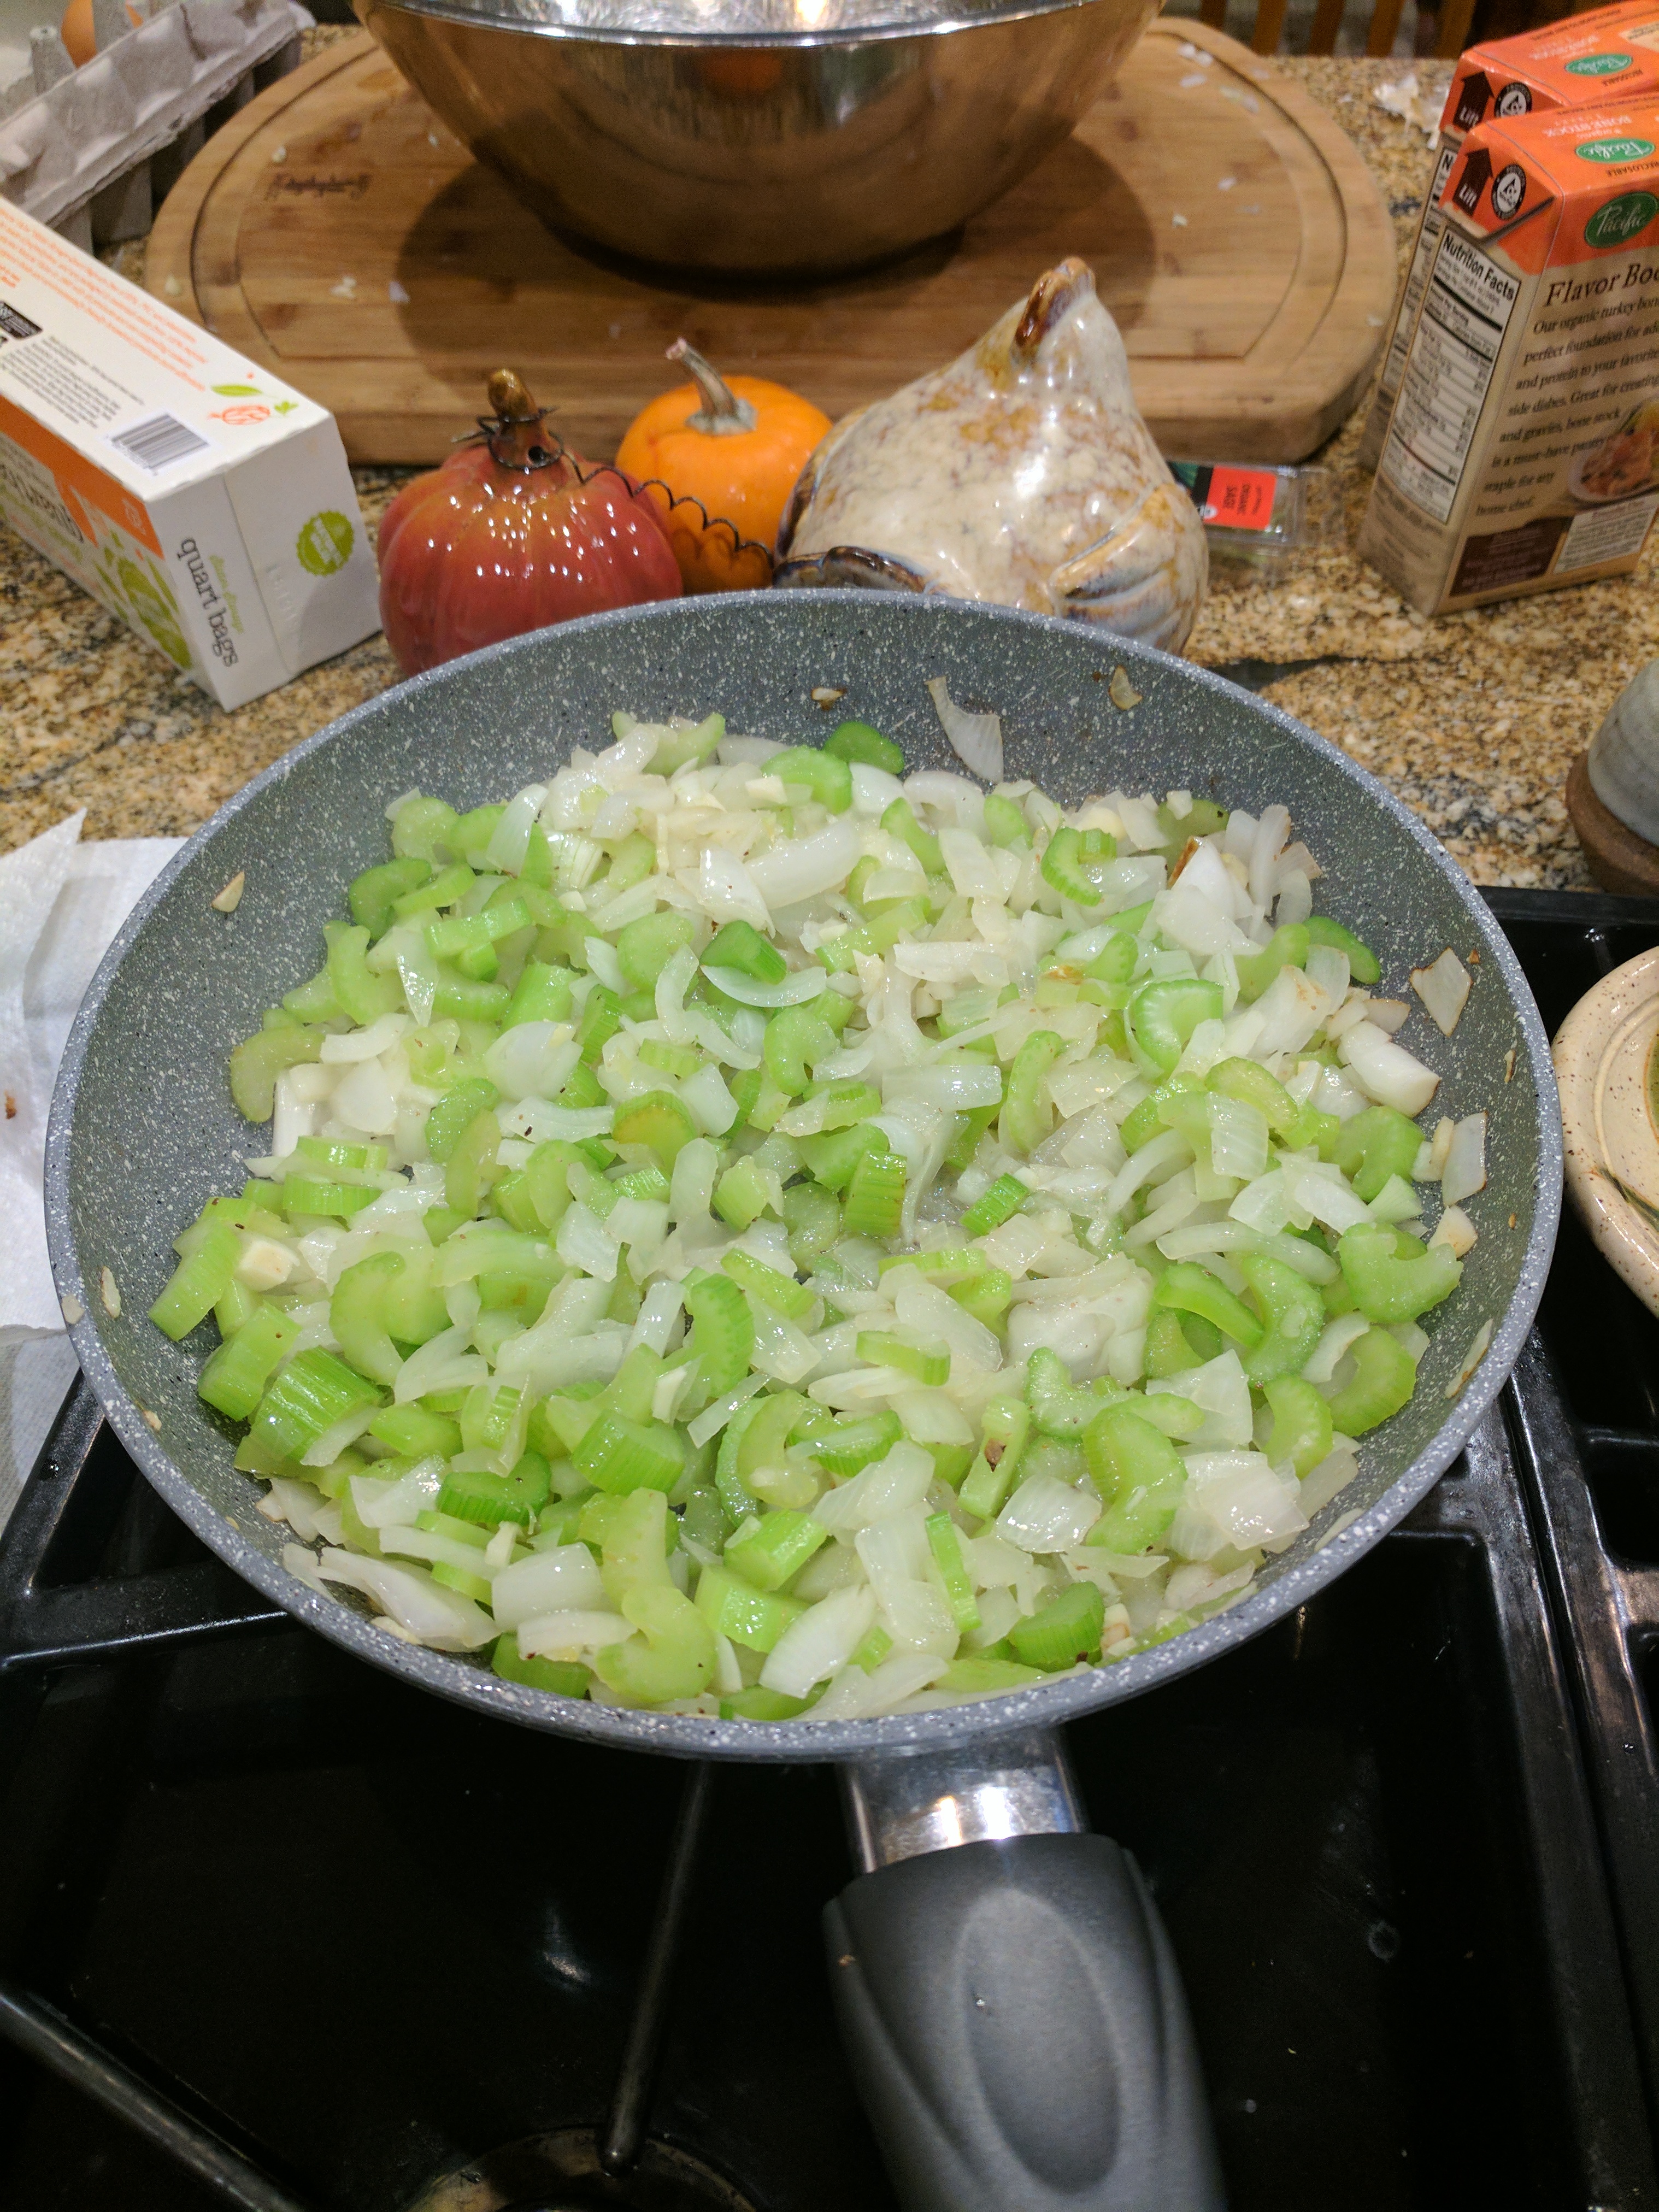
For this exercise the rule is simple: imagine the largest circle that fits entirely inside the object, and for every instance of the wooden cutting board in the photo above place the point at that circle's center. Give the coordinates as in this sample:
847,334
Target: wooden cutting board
337,233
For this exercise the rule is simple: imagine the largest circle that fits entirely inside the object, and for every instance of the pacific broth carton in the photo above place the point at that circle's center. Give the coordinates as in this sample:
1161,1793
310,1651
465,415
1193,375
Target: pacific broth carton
200,500
1605,54
1523,452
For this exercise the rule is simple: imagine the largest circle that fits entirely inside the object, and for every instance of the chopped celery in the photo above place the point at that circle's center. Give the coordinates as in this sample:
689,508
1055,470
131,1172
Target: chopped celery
563,1678
1363,964
1392,1277
875,1196
946,1547
776,1548
860,742
1385,1375
1065,1630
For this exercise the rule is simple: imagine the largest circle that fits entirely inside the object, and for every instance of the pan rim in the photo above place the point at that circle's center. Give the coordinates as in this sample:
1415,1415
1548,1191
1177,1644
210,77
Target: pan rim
687,1736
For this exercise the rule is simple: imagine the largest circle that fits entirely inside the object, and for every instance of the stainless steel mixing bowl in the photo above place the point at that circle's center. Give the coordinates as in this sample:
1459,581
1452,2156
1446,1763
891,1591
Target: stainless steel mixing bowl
758,137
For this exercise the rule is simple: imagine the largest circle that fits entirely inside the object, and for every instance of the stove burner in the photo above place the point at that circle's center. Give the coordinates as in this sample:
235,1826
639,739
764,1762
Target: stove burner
564,2172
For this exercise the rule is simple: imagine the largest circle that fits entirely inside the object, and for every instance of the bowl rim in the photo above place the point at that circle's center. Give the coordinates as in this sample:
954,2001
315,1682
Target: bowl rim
1621,1231
493,18
683,1735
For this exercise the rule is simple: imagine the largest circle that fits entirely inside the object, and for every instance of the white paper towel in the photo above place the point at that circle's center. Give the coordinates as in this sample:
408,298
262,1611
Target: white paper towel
61,902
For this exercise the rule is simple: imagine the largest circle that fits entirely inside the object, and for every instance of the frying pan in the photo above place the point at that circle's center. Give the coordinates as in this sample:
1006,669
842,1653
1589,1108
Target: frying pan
1009,1999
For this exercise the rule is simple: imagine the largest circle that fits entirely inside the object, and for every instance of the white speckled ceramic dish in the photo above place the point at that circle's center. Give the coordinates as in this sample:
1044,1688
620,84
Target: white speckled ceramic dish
143,1129
1607,1061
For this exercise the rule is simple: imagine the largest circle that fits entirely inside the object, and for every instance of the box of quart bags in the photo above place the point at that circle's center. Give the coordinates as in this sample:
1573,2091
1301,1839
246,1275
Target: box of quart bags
1523,450
1605,54
204,502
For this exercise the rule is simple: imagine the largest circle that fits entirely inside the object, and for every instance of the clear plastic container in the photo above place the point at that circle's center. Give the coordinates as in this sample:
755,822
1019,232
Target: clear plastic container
1261,516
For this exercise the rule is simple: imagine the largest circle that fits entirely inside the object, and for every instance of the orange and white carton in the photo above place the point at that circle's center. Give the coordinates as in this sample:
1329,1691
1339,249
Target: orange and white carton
197,497
1604,54
1523,450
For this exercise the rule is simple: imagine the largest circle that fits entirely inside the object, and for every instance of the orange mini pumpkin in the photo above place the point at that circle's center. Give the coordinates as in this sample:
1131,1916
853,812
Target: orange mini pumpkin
721,457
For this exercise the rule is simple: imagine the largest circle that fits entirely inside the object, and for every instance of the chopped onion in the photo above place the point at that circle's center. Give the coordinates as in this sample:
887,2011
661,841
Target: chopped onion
975,740
1047,1514
856,1696
1465,1172
1331,1348
533,1060
794,990
1385,1071
820,1640
439,1618
1471,1359
1443,988
727,892
509,840
573,1632
547,1581
802,867
1456,1229
366,1044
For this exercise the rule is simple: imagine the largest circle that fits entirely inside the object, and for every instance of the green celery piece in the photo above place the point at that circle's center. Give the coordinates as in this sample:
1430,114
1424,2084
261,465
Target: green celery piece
356,1313
1392,1277
1286,948
740,945
487,1411
677,1060
1363,964
619,1456
235,1376
875,1196
472,832
1302,1423
1293,1311
198,1282
1059,1407
1168,1351
638,1535
1069,852
986,1297
235,1308
1027,1117
678,748
461,999
313,1391
561,1678
417,1433
859,742
1189,1288
946,1547
442,889
493,1498
1385,1376
601,1020
796,1037
312,1195
677,1654
313,1001
1313,1131
930,1363
1161,1016
542,993
723,1332
476,1587
1146,1120
759,1704
256,1063
421,826
371,894
825,774
474,1164
830,1158
874,1650
738,1502
742,1195
1140,1474
1168,1411
450,1118
1006,1423
1068,1628
1005,825
363,996
776,1549
1245,1080
734,1608
900,821
657,1121
794,1300
341,1154
1374,1145
456,1531
813,1221
645,947
993,1208
843,1447
976,1672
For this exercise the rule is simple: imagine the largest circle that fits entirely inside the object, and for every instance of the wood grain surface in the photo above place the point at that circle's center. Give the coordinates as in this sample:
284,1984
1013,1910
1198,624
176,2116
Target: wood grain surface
340,236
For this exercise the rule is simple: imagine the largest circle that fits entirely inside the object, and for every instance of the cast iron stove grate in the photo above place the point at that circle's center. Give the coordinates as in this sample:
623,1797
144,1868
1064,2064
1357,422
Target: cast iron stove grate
276,1929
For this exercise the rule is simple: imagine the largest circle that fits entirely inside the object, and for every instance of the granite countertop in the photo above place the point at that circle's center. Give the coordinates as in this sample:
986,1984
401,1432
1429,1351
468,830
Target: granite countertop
1473,719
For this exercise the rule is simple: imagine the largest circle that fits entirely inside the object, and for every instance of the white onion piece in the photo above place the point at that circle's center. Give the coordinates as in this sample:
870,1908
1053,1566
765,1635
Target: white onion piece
533,1060
1294,901
1389,1014
1472,1358
509,840
1385,1071
1465,1161
975,740
441,1618
547,1581
1443,988
1047,1514
802,867
1456,1229
366,1044
1332,1347
727,892
710,1104
583,1242
856,1696
539,1119
451,1348
889,1486
573,1632
820,1640
794,990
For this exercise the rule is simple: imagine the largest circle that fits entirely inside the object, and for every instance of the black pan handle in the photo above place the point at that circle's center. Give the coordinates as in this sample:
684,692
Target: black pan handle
1008,1998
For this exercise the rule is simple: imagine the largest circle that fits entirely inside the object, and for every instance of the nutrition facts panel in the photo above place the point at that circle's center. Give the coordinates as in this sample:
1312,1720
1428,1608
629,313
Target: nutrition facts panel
1422,254
1466,312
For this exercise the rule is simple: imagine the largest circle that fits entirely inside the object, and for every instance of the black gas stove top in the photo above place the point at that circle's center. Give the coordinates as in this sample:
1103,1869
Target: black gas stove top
277,1931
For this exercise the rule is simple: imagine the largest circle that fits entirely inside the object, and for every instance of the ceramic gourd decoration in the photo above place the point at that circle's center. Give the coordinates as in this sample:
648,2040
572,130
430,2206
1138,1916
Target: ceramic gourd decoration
1021,474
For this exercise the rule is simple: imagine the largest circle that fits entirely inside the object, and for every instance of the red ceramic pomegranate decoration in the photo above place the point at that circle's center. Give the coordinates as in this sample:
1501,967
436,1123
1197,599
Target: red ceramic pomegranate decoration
512,533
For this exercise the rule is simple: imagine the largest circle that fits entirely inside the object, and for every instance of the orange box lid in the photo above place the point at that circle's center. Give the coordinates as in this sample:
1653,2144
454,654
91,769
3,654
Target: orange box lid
1564,186
1605,53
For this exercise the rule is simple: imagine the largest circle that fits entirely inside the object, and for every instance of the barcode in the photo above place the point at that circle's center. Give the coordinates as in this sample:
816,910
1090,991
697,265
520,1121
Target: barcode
159,442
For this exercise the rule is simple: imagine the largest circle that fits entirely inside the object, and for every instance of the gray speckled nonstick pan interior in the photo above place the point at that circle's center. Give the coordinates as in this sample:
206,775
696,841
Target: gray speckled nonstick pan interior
144,1130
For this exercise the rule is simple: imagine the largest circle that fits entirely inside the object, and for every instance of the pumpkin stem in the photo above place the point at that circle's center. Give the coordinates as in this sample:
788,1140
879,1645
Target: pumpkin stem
722,413
514,431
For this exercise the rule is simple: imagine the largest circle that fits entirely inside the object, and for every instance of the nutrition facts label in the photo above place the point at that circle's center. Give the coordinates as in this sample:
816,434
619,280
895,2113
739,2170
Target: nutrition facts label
1422,254
1454,349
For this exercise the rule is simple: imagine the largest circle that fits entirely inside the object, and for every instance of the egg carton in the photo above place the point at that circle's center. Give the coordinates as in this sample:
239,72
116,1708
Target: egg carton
92,151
